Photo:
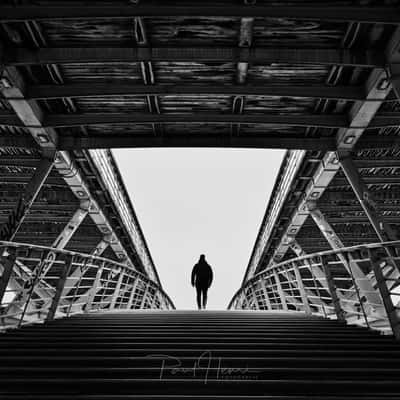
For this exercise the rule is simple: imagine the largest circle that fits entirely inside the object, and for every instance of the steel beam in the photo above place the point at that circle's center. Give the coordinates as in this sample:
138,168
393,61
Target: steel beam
383,230
89,119
300,287
93,10
82,55
60,287
25,202
280,291
65,236
266,296
335,243
7,263
27,111
262,141
93,290
79,90
117,290
102,245
332,290
145,291
253,292
391,310
132,294
70,173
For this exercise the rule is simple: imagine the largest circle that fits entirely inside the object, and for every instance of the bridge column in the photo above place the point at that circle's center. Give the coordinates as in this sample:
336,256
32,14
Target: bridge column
266,296
383,230
301,288
117,290
336,244
132,295
253,292
332,290
391,311
315,271
93,289
280,291
60,287
7,263
102,245
143,302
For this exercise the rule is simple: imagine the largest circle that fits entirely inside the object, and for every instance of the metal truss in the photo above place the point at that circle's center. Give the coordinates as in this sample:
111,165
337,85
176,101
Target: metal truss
361,115
292,286
29,113
103,285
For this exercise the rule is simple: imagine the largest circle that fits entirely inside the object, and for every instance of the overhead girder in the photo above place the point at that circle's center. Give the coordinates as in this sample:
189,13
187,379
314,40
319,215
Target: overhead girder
361,14
75,120
99,89
368,58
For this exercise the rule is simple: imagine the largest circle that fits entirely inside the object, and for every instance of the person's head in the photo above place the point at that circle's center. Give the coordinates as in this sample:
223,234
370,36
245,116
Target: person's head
202,257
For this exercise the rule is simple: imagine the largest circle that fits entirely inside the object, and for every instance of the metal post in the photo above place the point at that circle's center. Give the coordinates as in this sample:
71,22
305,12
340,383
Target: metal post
93,290
385,294
153,303
34,280
332,290
266,296
356,288
8,264
117,290
334,241
142,303
60,287
280,291
133,291
301,288
253,291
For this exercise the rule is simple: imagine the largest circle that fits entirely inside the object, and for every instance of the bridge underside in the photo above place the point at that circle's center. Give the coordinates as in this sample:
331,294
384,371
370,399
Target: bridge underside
319,80
207,75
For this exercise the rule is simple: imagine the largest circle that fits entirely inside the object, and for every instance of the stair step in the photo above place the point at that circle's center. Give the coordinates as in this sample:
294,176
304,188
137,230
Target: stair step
198,355
210,386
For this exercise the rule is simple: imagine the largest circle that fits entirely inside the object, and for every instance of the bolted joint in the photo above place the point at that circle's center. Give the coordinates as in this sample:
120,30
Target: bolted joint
311,205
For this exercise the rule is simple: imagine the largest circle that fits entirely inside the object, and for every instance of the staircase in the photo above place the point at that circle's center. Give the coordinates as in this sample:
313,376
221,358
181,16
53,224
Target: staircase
198,355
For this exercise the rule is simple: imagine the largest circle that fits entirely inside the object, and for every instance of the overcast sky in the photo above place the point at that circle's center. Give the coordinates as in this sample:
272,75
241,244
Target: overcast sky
194,201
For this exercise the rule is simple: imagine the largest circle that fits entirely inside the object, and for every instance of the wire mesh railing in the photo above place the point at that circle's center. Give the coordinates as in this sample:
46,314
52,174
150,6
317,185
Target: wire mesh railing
40,283
359,285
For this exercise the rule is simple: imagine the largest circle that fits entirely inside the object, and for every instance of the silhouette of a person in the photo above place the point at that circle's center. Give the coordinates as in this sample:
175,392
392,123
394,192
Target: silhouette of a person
202,276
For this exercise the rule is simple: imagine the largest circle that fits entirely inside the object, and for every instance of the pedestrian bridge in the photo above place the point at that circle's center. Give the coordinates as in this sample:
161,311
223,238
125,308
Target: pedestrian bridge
318,309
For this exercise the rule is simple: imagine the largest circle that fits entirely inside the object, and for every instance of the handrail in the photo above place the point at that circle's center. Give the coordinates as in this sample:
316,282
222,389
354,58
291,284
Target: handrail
40,283
359,284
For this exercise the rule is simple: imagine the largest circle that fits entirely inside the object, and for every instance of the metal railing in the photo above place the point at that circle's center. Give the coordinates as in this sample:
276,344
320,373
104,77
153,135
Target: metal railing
359,285
41,283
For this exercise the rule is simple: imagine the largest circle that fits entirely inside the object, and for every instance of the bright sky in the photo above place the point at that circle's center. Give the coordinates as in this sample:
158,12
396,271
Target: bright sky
194,201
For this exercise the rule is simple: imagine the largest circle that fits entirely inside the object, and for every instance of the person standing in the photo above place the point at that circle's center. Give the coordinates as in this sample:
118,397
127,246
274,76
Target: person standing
202,276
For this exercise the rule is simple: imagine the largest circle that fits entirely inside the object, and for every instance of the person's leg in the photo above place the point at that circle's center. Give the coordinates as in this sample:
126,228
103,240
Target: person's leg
204,290
198,290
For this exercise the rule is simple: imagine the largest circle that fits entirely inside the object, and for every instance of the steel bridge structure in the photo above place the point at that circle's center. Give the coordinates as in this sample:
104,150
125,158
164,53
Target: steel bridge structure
319,80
